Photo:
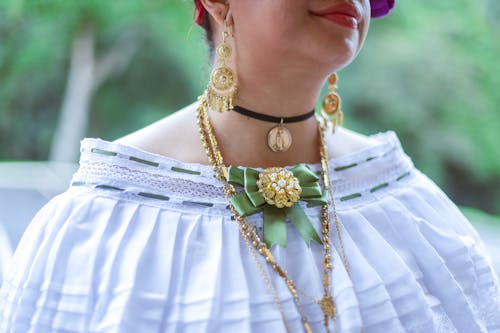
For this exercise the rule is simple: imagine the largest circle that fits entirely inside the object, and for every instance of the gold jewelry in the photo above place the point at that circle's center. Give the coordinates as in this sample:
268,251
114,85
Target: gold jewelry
249,231
331,110
279,138
221,91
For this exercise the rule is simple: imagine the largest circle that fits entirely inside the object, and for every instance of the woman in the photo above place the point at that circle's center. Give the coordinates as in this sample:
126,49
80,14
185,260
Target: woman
148,240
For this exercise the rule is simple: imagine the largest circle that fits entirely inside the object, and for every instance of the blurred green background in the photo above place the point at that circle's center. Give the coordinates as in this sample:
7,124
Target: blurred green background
430,71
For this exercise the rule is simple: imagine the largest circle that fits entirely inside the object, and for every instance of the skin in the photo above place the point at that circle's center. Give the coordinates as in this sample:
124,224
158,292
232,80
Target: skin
282,55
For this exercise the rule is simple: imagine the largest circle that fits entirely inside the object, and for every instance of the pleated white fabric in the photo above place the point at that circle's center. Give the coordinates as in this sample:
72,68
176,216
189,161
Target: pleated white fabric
144,243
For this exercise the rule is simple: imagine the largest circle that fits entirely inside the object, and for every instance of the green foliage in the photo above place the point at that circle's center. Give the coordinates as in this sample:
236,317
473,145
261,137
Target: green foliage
36,38
476,217
429,71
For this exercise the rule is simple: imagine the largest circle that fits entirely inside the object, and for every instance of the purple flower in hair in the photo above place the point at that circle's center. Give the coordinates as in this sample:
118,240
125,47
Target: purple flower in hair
381,7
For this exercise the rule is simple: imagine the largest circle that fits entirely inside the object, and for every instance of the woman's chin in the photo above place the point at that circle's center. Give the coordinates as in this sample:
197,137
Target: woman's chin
336,58
338,42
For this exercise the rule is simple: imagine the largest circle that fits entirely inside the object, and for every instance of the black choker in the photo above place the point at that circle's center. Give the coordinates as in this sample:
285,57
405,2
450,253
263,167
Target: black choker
279,138
272,119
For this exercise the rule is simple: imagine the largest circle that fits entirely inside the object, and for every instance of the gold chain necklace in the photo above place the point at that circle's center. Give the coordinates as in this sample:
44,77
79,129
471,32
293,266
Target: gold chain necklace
251,236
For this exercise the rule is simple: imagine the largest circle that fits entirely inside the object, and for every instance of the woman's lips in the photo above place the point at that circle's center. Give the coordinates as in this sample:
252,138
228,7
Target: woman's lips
345,14
343,20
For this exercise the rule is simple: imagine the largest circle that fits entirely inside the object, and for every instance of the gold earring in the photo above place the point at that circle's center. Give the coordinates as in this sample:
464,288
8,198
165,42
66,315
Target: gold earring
221,91
331,110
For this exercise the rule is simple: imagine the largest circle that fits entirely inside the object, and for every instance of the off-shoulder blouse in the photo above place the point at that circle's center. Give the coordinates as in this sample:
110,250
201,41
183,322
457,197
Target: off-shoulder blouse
145,243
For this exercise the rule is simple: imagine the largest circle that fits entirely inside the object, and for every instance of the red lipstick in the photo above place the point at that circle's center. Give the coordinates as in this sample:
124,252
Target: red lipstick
346,14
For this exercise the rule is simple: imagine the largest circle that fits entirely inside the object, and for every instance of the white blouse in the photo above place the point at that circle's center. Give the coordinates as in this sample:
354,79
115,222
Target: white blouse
145,243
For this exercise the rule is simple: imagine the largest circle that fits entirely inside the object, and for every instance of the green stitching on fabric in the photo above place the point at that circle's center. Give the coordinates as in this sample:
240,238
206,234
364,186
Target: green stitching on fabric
340,168
191,172
153,196
351,196
103,152
108,187
78,184
406,174
378,187
197,203
140,160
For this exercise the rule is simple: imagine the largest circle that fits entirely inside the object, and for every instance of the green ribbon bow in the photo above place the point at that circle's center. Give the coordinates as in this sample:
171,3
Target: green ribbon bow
251,201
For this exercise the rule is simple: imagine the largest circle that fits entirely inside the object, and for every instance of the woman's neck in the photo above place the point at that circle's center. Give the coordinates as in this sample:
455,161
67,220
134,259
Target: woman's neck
284,93
265,85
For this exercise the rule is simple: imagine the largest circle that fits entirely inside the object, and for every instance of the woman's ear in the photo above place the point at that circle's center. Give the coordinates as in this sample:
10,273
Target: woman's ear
217,9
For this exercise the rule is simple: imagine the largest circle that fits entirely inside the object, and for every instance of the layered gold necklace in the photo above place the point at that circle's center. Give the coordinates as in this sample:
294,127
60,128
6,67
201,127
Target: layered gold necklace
249,232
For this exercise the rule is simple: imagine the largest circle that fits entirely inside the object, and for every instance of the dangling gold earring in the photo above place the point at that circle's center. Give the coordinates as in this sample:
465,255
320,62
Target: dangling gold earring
221,91
331,110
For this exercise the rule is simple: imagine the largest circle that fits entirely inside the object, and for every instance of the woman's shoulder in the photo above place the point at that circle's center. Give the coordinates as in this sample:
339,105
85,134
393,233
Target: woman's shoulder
179,130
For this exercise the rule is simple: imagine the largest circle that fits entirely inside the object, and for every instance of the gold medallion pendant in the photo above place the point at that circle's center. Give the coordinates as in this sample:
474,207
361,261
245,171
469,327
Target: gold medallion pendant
279,138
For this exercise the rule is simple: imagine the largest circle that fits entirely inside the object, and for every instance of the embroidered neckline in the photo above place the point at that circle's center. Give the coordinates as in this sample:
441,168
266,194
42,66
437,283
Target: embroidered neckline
126,171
